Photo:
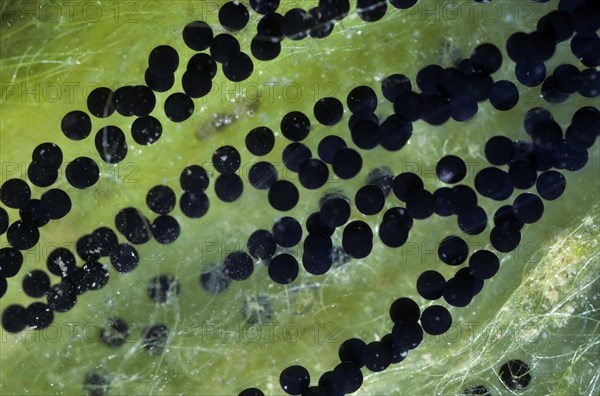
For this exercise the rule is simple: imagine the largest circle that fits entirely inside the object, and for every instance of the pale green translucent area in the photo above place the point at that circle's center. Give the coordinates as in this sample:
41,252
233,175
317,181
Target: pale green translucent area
542,307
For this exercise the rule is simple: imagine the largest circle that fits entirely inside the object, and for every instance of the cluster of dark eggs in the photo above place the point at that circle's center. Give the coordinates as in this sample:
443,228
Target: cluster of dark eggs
438,95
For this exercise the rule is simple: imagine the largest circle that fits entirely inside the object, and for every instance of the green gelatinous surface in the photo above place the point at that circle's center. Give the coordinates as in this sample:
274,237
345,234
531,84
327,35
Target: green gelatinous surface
542,307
